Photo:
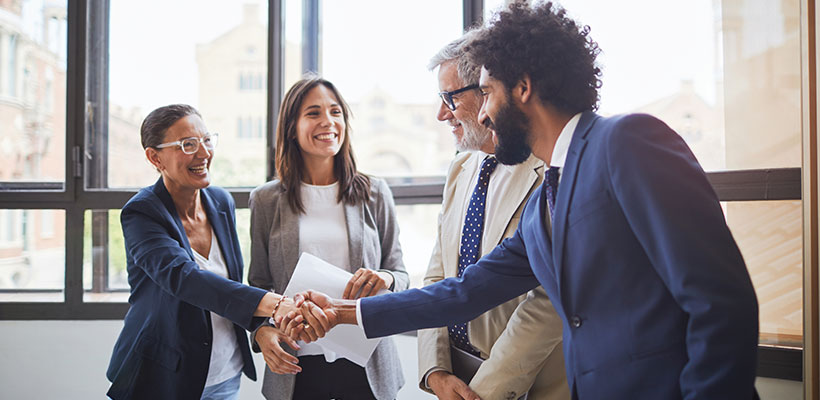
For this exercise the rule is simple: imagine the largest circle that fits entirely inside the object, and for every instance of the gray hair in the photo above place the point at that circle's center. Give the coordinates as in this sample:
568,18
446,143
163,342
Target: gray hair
468,72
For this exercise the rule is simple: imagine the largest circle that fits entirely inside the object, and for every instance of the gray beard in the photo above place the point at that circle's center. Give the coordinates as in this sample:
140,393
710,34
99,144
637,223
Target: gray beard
473,138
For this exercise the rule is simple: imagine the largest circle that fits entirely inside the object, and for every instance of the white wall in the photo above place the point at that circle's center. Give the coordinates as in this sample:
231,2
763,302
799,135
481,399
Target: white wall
68,359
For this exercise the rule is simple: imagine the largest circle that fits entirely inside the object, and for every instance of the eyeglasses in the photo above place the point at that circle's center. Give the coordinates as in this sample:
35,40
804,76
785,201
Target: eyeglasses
447,97
191,145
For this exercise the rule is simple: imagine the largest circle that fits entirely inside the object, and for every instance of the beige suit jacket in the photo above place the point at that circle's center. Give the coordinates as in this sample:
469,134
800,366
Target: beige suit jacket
520,339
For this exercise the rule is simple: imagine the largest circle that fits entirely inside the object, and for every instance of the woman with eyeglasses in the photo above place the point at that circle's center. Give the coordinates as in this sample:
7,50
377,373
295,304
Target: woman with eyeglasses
320,204
184,335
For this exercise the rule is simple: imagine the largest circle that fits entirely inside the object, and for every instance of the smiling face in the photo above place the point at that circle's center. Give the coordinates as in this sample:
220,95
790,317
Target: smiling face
321,127
510,126
182,171
467,132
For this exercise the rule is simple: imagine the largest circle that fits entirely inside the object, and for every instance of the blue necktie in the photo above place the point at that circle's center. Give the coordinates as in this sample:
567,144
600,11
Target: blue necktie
552,188
470,247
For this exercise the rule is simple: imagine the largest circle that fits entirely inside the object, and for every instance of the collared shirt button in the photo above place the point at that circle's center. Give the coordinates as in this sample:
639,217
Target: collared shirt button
576,321
206,344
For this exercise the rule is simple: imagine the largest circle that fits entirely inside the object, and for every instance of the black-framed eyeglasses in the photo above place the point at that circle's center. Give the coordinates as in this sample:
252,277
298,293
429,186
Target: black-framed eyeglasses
447,97
191,145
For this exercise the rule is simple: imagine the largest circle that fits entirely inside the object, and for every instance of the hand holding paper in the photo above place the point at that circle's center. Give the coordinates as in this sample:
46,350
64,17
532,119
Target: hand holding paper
317,280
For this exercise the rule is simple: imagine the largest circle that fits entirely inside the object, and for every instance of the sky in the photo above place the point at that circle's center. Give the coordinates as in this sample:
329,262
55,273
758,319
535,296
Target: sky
649,46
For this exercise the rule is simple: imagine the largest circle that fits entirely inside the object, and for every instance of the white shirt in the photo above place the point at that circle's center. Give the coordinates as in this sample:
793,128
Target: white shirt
323,233
226,360
559,152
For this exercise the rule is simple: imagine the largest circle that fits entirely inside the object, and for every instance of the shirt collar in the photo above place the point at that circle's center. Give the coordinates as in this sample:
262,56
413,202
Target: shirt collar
499,168
559,153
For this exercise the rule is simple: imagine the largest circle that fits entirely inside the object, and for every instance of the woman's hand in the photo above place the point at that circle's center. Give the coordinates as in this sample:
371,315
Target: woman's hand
366,282
278,360
305,321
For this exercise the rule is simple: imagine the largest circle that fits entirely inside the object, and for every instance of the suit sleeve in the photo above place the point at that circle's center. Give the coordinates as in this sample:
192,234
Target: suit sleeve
532,334
497,277
169,265
434,343
392,261
676,216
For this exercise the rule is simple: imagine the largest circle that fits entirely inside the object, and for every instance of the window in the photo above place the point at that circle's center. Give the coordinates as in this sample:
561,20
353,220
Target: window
32,255
724,74
398,85
198,68
32,96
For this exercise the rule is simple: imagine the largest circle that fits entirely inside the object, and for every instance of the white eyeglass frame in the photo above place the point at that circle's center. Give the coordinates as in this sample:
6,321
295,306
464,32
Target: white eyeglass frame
214,137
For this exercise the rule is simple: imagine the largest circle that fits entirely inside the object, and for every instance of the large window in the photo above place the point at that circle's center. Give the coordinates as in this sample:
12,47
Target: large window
725,75
77,78
218,65
32,94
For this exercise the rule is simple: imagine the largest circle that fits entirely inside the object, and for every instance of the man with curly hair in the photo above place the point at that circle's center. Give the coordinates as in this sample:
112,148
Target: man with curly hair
520,340
626,235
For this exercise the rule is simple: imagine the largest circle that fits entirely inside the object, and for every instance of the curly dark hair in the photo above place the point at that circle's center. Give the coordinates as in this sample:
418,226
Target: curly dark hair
544,43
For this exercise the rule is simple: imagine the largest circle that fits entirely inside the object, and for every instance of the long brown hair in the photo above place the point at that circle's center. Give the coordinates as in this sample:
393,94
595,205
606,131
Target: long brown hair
354,187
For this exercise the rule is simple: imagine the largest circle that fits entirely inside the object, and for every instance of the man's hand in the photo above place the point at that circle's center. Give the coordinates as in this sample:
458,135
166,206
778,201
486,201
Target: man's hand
278,360
447,386
366,282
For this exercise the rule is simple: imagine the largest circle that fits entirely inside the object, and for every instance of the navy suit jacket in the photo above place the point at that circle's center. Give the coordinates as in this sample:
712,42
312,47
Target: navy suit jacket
654,295
165,345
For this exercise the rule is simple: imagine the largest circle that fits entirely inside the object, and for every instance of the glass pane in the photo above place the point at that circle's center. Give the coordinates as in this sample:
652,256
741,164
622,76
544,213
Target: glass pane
218,65
105,278
770,236
376,55
104,273
724,74
491,6
418,228
293,43
32,255
32,93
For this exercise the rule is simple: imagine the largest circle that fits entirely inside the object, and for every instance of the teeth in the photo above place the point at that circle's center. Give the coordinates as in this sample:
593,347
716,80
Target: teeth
326,136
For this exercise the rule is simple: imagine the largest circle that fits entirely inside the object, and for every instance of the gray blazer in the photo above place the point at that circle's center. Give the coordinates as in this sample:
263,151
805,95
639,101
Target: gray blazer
374,243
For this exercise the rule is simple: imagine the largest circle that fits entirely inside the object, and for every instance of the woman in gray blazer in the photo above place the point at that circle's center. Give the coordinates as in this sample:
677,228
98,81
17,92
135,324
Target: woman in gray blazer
322,205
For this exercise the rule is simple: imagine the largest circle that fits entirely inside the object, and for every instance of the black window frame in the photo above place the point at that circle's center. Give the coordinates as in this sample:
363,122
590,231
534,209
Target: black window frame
87,89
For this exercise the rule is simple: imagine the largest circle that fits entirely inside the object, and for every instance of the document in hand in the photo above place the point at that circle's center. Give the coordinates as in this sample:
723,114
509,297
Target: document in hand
347,341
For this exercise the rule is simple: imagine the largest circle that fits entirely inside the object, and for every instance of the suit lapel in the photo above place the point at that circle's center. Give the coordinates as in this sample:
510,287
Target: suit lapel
289,239
219,222
165,197
354,219
521,183
454,221
566,187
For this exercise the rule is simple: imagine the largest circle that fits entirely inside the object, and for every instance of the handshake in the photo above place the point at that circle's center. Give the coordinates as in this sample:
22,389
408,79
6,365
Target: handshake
310,315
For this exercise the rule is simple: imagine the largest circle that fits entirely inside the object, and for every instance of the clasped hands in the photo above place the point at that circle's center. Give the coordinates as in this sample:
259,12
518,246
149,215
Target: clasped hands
310,315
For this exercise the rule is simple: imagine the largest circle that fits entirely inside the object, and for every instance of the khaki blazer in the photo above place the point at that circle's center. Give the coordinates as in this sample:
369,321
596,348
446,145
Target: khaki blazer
520,339
373,235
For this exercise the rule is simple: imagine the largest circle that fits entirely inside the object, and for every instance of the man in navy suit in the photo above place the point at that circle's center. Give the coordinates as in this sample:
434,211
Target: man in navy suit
626,235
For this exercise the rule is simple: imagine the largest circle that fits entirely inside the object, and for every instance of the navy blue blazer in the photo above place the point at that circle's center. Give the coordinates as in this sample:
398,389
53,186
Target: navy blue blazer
653,292
164,348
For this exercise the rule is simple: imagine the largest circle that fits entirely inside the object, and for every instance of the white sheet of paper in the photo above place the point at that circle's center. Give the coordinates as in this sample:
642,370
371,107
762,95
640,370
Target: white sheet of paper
347,341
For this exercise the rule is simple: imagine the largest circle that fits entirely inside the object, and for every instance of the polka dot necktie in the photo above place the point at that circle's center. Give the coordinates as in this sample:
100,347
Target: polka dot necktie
471,243
552,188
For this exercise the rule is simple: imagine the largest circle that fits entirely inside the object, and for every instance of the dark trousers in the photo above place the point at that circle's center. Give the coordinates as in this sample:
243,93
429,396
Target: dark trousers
321,380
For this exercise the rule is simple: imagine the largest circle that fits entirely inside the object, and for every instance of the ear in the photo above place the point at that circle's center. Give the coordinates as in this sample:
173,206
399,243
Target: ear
523,89
153,157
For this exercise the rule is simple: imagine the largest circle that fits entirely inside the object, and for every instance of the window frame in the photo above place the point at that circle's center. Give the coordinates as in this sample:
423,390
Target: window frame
88,19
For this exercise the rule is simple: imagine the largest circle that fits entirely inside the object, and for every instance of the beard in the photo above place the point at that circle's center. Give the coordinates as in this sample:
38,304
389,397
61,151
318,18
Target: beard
474,136
511,128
